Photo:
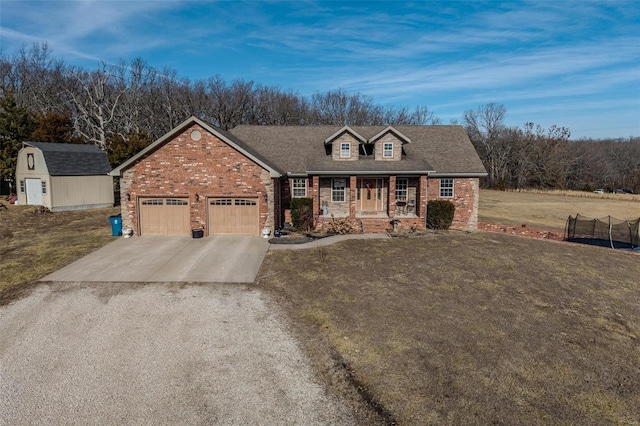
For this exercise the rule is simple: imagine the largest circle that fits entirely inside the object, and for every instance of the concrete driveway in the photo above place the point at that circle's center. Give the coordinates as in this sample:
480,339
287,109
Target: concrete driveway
115,353
225,259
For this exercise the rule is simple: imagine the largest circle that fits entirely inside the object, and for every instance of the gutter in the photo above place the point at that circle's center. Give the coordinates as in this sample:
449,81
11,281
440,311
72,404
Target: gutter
370,172
453,175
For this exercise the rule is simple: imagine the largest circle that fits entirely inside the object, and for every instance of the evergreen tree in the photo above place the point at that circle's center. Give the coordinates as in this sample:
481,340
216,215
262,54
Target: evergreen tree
121,150
16,126
54,127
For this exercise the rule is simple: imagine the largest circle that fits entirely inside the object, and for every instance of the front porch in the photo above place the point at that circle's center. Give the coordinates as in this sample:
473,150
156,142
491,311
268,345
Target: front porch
370,202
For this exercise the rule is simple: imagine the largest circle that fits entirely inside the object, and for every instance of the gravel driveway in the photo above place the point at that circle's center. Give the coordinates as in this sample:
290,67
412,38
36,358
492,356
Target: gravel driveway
113,353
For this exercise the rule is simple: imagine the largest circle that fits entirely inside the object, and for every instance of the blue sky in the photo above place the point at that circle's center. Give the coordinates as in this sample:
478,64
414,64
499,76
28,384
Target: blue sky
569,63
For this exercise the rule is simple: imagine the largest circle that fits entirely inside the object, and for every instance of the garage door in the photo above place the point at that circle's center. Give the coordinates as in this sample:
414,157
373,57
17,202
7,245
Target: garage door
164,216
233,216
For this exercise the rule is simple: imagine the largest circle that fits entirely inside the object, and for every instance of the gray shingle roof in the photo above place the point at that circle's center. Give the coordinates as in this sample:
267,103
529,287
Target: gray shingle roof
300,149
65,159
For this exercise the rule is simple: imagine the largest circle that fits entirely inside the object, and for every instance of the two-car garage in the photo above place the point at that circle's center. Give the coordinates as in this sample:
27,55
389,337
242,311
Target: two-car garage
171,216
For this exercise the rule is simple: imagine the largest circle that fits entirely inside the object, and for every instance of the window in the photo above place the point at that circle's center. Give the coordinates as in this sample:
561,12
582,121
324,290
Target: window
446,187
299,187
21,186
174,202
31,164
337,189
44,187
402,185
387,150
345,150
153,202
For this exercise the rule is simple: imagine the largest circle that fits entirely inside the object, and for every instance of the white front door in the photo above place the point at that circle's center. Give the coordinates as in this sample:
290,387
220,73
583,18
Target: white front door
34,192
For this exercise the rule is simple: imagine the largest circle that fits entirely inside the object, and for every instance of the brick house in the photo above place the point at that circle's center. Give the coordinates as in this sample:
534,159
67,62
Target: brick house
241,181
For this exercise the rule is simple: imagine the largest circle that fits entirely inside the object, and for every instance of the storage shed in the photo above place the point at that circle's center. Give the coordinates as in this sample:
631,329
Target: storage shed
63,176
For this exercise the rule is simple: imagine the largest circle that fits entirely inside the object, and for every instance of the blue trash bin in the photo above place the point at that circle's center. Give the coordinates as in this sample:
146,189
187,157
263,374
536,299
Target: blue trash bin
116,225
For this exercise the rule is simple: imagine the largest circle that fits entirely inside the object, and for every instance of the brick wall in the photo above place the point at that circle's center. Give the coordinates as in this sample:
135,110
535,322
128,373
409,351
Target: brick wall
466,192
183,167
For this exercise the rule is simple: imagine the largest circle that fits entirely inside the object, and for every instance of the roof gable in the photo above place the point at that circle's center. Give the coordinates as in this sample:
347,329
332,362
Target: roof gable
345,129
65,159
226,137
390,129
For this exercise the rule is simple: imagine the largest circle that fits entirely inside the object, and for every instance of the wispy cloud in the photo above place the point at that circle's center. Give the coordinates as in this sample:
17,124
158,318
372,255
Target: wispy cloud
450,56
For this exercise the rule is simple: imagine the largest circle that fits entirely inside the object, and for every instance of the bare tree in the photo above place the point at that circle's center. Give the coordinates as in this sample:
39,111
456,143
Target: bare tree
484,126
230,103
273,106
95,97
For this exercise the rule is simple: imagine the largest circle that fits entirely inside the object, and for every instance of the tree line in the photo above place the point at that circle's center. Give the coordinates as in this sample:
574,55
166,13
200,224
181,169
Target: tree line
534,157
124,107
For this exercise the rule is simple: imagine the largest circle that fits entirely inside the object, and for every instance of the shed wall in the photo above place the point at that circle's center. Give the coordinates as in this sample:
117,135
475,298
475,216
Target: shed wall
80,192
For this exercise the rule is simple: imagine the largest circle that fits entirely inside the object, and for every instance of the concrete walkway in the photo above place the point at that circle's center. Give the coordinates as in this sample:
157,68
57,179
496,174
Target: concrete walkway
322,242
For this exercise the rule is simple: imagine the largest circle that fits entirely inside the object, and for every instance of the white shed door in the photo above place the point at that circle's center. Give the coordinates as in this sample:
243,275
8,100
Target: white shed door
34,192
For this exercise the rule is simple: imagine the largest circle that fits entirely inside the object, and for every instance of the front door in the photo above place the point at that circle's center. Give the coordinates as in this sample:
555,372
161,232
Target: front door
369,195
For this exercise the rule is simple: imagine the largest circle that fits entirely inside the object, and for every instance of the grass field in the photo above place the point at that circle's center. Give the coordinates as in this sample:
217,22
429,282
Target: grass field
438,329
549,210
34,245
471,328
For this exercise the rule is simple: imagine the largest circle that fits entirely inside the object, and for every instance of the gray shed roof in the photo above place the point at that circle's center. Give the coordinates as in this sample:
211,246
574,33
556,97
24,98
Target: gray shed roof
440,150
66,159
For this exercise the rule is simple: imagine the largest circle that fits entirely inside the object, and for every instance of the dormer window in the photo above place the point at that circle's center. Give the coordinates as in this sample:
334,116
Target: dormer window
387,150
345,150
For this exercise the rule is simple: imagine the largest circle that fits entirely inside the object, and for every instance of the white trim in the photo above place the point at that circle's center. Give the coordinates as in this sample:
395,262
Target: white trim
369,172
293,187
389,129
447,188
345,129
406,188
384,150
348,145
456,175
344,190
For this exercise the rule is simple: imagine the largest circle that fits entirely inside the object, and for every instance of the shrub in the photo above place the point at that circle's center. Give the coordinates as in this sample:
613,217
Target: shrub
340,226
302,213
440,214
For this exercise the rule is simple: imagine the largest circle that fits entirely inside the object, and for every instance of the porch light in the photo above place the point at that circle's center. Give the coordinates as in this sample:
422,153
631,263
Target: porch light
197,197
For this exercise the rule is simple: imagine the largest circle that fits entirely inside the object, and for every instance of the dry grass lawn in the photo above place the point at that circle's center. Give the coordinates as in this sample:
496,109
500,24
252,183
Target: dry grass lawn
438,329
472,328
549,210
33,245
